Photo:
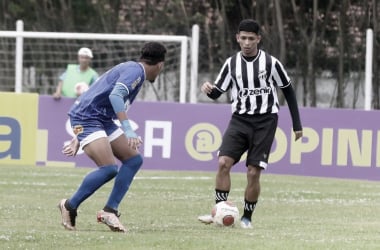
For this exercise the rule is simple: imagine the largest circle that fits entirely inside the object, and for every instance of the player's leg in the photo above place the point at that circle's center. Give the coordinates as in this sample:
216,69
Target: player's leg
131,163
261,139
234,144
100,152
223,178
96,145
251,195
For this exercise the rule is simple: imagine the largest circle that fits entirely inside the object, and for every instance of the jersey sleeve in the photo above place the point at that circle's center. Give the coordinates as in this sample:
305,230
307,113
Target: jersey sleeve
279,74
130,77
223,80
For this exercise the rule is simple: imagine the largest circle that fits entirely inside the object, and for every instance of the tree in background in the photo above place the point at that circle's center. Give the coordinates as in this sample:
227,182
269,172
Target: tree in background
310,37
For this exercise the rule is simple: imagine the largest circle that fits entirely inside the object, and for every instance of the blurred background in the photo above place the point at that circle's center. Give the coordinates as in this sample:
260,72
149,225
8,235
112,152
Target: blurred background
321,43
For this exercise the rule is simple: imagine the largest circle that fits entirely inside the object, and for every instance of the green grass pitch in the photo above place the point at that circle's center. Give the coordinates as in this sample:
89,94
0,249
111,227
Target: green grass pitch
161,209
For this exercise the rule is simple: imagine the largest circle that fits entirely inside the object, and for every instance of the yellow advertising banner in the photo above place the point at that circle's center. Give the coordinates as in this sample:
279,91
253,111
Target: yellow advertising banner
18,128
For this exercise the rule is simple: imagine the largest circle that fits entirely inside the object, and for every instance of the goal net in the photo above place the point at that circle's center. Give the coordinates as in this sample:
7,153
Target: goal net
45,58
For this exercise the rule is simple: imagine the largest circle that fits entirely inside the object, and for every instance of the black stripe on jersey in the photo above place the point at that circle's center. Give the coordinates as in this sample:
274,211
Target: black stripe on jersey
281,74
256,83
275,84
223,77
268,69
233,76
233,67
244,76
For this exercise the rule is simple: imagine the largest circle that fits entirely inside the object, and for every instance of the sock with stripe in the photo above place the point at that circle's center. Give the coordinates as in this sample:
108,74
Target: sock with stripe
91,183
221,195
249,207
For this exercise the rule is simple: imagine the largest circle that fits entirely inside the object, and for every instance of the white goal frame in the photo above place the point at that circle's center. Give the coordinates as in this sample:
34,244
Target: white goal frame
185,42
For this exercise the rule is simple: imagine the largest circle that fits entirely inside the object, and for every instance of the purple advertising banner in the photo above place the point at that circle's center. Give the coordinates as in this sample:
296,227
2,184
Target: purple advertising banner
337,142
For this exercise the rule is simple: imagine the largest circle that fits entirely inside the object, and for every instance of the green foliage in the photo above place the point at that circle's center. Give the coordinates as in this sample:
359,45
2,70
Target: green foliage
328,36
161,212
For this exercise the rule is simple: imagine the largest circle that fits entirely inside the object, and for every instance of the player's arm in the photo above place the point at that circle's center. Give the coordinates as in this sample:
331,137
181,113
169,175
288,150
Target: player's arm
214,91
211,90
119,92
291,99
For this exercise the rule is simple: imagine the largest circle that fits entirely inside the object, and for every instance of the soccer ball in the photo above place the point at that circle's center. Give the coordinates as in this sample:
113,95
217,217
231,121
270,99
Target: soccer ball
225,213
80,88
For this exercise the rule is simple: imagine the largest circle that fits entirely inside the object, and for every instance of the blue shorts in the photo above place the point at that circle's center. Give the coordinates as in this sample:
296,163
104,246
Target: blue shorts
89,130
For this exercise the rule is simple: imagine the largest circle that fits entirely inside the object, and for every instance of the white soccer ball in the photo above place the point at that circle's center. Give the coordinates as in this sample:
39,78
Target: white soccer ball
225,214
80,88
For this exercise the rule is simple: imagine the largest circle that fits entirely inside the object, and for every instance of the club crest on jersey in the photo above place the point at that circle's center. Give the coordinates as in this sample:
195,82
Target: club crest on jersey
254,92
262,75
78,129
134,84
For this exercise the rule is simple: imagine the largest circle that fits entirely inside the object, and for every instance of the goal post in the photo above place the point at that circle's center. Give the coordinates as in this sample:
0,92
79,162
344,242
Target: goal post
179,52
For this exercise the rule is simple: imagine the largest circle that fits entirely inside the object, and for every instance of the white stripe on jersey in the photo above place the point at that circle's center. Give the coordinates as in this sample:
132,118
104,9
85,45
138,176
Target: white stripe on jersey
253,83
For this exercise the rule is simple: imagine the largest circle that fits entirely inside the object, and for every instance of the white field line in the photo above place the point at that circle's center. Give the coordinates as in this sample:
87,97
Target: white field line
22,183
172,178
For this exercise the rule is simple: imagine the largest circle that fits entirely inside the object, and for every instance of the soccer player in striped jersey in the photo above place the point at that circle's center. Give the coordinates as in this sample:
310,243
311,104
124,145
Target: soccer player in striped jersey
252,77
102,140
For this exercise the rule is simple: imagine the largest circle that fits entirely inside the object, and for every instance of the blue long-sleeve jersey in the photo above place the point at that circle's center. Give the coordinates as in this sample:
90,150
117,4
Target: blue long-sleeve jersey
95,103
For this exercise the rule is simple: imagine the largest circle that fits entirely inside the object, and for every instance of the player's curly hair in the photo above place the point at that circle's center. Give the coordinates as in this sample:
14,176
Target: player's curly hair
153,53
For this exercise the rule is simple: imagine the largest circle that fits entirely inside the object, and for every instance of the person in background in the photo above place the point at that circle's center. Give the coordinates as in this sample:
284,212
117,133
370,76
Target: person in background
78,77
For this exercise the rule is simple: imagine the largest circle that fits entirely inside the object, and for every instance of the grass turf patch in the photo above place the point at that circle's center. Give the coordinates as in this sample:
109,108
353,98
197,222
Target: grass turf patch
161,209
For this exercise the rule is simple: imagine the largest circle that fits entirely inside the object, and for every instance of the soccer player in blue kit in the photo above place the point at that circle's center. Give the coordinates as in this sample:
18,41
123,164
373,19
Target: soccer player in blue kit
102,140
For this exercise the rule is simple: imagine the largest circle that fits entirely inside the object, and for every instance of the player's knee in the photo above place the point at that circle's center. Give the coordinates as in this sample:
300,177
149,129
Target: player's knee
113,170
253,173
225,164
134,162
139,160
110,171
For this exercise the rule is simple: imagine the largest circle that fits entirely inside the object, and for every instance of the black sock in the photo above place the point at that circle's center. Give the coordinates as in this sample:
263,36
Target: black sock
68,207
110,210
221,195
72,212
249,207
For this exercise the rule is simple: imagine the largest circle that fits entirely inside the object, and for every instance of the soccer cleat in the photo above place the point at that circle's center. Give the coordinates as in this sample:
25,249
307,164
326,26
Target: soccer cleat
206,219
68,217
245,223
111,220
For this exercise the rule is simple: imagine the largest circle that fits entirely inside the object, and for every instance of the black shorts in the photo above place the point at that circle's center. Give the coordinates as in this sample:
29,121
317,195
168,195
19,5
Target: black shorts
251,133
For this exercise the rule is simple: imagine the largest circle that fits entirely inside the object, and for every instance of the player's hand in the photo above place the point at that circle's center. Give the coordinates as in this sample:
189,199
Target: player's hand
134,142
207,87
297,135
72,148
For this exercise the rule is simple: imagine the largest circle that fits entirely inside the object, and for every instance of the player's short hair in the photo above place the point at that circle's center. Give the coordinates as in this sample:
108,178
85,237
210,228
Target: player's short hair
249,25
153,53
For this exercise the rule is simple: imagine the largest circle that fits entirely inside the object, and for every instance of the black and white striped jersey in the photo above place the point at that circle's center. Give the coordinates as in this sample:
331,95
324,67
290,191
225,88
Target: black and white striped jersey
253,83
